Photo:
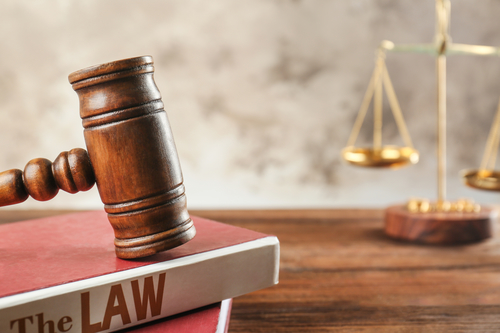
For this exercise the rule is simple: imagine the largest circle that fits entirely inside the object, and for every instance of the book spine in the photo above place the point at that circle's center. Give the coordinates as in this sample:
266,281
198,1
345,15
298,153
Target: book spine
124,299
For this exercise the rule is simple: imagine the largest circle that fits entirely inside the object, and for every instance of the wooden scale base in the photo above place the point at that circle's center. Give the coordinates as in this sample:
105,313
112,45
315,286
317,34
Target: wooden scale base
446,228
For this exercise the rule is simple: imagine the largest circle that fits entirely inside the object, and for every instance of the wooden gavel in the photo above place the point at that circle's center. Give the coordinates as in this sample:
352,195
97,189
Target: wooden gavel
131,157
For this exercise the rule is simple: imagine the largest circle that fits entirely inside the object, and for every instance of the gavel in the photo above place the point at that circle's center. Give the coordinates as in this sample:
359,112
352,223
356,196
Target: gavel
130,155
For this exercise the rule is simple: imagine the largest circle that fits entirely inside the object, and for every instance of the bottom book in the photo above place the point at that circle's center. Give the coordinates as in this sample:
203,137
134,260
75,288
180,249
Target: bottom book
209,319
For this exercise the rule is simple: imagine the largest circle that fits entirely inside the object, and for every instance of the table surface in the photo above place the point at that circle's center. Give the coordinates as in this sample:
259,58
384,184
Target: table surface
340,273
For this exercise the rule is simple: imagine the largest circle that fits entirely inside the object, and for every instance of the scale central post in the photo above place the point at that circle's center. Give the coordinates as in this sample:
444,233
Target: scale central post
441,129
442,39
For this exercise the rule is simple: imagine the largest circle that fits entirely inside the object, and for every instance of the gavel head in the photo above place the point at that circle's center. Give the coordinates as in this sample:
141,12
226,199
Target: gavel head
133,155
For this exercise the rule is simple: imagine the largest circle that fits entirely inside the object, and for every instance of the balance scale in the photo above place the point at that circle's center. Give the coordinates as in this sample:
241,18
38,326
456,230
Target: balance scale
420,220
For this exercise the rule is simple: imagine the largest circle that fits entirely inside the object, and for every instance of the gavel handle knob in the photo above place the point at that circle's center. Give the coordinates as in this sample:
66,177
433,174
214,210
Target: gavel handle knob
42,179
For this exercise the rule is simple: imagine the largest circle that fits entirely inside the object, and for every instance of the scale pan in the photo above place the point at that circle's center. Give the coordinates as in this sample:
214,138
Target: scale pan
482,179
385,157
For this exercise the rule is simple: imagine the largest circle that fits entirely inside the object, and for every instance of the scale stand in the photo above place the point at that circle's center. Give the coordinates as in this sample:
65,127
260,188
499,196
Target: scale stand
440,222
438,227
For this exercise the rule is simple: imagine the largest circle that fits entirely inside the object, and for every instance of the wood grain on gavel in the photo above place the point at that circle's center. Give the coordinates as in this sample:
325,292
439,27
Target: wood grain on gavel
131,154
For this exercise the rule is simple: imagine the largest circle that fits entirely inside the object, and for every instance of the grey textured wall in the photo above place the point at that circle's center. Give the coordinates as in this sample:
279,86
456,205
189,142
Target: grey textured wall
261,94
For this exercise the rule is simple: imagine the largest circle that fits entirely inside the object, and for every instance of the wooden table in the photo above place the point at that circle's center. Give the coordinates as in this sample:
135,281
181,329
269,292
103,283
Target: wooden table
339,273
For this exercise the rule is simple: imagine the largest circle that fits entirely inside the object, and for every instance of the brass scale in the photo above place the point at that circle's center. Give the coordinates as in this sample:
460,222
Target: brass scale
380,156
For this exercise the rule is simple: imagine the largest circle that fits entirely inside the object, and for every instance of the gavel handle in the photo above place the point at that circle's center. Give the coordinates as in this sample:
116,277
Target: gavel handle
42,179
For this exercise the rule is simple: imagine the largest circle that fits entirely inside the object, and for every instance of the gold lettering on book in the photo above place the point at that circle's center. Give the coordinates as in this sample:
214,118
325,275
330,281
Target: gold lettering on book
116,296
87,327
148,296
50,324
43,325
21,322
61,324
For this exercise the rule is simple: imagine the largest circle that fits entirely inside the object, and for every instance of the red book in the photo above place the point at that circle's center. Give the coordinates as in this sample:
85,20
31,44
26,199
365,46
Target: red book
212,318
60,274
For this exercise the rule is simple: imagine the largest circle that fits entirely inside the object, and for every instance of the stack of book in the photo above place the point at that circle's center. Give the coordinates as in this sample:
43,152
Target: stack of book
61,275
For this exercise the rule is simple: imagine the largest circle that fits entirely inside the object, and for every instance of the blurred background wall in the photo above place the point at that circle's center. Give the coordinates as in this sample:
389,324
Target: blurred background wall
261,94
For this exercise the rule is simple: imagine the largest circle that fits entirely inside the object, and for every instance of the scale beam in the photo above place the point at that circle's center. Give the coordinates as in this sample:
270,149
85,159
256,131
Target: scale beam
434,49
473,49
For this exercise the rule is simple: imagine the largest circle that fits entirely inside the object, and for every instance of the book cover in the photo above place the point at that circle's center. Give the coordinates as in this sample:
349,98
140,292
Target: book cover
60,274
212,318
